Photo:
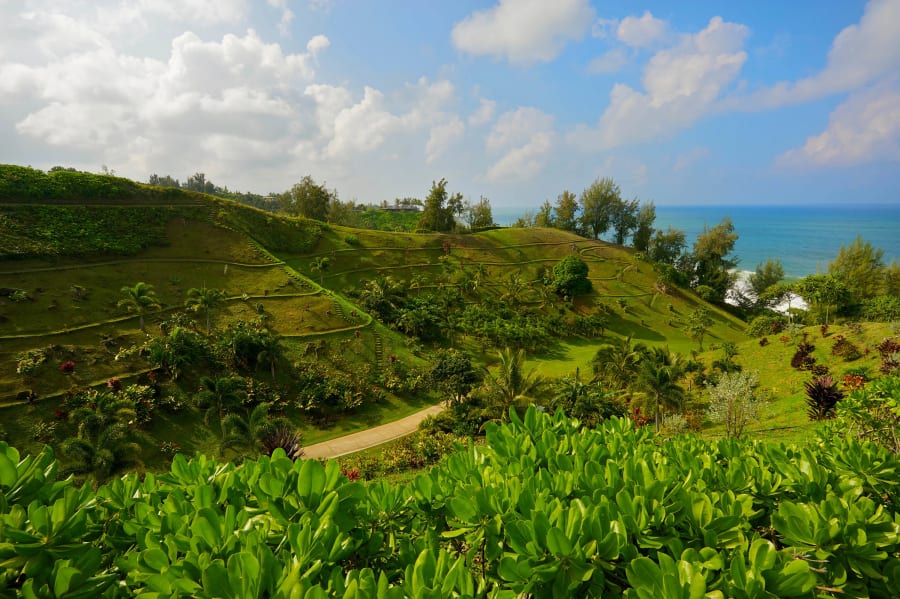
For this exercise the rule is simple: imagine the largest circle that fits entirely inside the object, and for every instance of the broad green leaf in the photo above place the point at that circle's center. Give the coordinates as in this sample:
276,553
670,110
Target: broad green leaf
155,559
8,474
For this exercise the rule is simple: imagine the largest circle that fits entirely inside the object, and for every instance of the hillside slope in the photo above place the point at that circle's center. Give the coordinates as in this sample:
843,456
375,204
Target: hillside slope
63,265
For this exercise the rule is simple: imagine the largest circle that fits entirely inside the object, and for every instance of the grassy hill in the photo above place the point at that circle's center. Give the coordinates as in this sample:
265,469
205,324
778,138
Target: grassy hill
62,265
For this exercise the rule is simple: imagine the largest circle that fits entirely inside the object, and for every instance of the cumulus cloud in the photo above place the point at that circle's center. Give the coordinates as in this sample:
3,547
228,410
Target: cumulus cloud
523,137
859,55
484,114
642,32
682,84
523,31
442,137
864,128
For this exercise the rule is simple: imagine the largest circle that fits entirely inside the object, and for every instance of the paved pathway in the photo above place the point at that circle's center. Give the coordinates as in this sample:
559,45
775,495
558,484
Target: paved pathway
369,438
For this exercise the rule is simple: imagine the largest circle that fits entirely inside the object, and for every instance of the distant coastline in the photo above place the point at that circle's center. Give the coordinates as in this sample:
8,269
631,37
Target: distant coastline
804,237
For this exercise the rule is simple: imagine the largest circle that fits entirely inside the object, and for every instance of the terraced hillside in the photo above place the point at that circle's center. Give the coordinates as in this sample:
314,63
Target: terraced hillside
63,267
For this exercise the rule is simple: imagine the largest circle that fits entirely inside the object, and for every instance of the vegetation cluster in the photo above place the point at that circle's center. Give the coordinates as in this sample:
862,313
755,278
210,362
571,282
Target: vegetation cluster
543,508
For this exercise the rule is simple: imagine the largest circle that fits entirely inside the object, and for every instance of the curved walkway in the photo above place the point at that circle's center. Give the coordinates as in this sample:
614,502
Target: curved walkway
369,438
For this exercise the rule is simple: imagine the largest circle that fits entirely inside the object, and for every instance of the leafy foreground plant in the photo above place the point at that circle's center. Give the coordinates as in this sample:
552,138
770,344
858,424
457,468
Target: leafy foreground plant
545,509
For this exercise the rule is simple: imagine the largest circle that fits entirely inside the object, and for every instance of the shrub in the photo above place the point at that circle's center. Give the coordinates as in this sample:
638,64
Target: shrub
707,293
822,396
764,342
28,362
802,358
351,240
846,349
735,401
767,324
819,369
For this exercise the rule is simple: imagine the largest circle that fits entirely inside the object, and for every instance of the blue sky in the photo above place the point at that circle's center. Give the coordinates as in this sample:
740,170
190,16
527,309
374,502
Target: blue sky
516,100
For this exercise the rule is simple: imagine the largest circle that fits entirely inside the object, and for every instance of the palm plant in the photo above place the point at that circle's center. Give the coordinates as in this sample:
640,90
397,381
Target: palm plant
139,299
270,351
510,385
104,441
220,396
659,380
248,431
320,265
204,300
617,363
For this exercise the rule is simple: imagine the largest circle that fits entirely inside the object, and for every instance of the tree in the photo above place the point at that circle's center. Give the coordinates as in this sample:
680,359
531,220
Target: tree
666,247
698,324
320,265
342,213
307,198
624,219
659,379
219,397
510,385
270,350
597,205
644,230
767,274
735,401
105,438
439,209
825,292
478,215
570,277
565,213
203,299
861,267
711,260
198,182
544,216
453,375
617,362
139,299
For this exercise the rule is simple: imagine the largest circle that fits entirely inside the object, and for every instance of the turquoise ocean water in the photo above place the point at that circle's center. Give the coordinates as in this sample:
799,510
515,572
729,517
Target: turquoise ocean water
805,238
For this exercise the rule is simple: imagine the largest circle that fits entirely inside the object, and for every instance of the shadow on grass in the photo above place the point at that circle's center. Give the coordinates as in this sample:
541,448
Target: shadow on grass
636,331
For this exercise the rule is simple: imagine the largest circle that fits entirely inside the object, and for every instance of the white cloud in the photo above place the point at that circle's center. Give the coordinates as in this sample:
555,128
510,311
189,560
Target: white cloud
317,44
859,55
484,114
682,84
642,32
611,61
210,11
523,31
524,137
865,128
443,136
287,16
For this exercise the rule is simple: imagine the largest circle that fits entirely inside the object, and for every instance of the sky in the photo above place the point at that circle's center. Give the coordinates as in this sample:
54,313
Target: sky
701,102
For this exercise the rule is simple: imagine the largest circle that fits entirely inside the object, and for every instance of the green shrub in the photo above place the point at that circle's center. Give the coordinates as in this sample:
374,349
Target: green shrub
767,324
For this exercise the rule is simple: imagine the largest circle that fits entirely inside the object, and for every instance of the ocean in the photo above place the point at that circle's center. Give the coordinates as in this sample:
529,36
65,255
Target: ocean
804,237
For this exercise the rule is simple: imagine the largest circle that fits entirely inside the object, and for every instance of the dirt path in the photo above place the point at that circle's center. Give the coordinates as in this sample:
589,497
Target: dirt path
369,438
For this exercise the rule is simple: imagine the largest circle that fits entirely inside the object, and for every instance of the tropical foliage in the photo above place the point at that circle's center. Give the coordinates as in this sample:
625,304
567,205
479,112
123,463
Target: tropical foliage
544,509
